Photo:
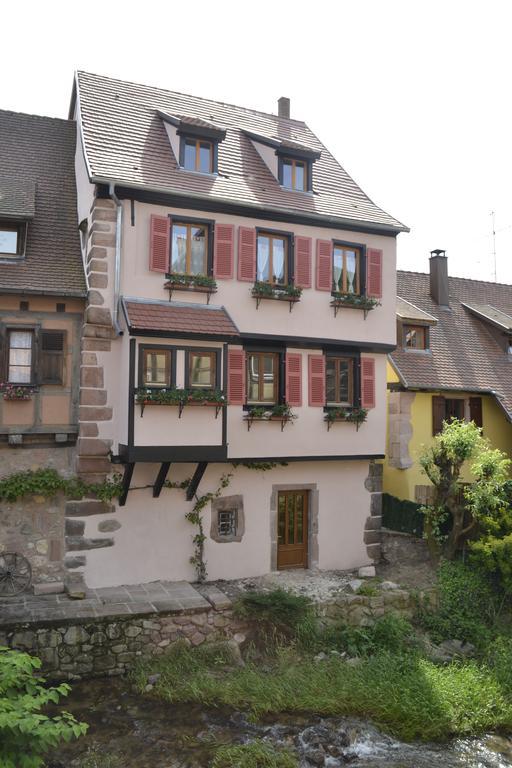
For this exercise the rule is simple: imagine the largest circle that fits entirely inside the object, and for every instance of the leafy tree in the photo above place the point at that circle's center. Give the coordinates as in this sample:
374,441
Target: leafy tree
454,515
26,734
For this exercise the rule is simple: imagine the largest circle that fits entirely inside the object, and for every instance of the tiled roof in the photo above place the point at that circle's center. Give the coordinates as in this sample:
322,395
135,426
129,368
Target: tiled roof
17,197
466,353
126,141
494,316
178,317
40,153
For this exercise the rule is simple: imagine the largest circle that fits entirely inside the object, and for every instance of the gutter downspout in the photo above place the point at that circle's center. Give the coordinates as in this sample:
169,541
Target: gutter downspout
117,263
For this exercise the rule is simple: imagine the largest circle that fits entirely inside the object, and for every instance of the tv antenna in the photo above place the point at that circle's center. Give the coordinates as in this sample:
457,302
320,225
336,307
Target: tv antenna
494,244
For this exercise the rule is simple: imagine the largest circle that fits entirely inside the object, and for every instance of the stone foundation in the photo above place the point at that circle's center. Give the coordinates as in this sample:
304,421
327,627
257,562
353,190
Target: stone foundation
373,524
110,646
363,611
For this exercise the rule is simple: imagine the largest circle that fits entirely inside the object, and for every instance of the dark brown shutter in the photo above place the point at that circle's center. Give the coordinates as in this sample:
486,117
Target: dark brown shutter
475,410
438,414
159,243
51,358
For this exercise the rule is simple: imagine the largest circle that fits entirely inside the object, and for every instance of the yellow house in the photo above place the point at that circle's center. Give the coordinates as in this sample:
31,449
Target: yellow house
453,359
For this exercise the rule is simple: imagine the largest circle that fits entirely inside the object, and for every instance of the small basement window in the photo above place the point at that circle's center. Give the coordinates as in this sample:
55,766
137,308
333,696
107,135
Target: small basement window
226,523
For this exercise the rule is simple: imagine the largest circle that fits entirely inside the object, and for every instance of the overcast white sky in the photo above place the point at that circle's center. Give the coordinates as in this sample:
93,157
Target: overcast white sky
412,97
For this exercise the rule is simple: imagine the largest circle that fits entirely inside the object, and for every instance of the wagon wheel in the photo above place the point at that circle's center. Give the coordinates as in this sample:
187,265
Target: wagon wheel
15,574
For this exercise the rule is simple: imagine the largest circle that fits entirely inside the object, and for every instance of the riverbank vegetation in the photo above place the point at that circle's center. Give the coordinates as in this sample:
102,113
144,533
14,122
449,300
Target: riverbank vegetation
383,672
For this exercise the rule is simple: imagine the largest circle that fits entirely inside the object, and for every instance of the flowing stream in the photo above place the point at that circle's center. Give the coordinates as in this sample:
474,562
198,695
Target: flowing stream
145,733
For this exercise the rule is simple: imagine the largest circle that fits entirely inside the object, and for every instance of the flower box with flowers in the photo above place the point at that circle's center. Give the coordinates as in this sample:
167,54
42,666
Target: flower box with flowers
353,301
282,413
289,293
16,392
181,398
177,281
353,415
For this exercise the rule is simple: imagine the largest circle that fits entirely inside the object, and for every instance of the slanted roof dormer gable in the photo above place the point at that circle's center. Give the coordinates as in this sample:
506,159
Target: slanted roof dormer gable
274,150
182,127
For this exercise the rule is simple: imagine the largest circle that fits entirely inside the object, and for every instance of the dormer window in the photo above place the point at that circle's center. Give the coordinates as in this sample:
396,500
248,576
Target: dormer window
294,174
415,337
198,155
11,239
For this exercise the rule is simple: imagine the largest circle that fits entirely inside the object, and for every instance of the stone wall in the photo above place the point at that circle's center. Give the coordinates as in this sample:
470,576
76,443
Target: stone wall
399,429
373,524
363,610
110,646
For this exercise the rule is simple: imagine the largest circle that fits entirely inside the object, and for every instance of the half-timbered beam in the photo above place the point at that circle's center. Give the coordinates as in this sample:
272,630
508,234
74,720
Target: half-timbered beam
127,478
160,478
196,479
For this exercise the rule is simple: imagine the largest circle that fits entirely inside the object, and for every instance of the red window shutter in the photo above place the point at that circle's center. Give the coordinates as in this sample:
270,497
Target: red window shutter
324,265
247,254
316,376
223,251
236,377
367,382
374,273
303,246
294,379
475,411
160,233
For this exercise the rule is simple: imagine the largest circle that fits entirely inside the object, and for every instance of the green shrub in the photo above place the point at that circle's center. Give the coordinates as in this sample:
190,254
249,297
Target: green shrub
255,754
468,605
277,612
25,733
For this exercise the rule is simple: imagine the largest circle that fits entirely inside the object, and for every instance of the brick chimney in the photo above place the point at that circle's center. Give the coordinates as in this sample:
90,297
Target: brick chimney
283,107
439,289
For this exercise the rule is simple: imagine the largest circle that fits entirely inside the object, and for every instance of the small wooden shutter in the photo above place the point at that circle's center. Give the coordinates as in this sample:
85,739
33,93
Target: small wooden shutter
303,246
438,414
51,358
160,235
223,253
316,376
236,377
367,382
324,265
247,254
374,273
294,379
475,410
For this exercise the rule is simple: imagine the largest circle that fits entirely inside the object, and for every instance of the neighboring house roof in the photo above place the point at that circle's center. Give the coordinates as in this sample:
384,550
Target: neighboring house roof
178,318
466,353
501,320
125,141
17,198
37,183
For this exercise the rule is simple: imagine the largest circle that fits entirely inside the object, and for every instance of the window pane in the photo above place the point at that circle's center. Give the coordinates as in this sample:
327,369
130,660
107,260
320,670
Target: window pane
415,337
268,378
205,154
344,380
278,266
291,519
300,177
8,241
155,373
20,357
330,381
179,248
351,261
253,377
189,159
337,269
299,499
281,518
198,251
287,174
263,259
201,370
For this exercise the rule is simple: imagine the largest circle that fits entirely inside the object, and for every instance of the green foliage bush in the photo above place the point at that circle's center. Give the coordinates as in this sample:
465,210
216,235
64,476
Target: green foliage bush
277,612
255,754
390,633
468,605
48,482
26,734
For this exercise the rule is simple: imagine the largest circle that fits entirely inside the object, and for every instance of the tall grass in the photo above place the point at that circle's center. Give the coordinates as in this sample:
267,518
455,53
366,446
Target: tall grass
402,693
255,754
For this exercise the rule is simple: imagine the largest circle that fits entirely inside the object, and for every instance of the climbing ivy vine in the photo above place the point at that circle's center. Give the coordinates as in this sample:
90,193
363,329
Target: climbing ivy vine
48,482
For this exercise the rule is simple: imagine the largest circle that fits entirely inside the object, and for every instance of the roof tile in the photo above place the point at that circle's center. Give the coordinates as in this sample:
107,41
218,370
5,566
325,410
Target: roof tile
179,318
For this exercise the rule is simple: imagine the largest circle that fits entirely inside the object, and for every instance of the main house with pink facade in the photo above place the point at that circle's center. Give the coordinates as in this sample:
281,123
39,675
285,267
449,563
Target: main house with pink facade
241,306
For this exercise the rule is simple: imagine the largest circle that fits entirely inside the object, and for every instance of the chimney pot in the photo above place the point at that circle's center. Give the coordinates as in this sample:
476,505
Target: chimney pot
439,289
283,107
